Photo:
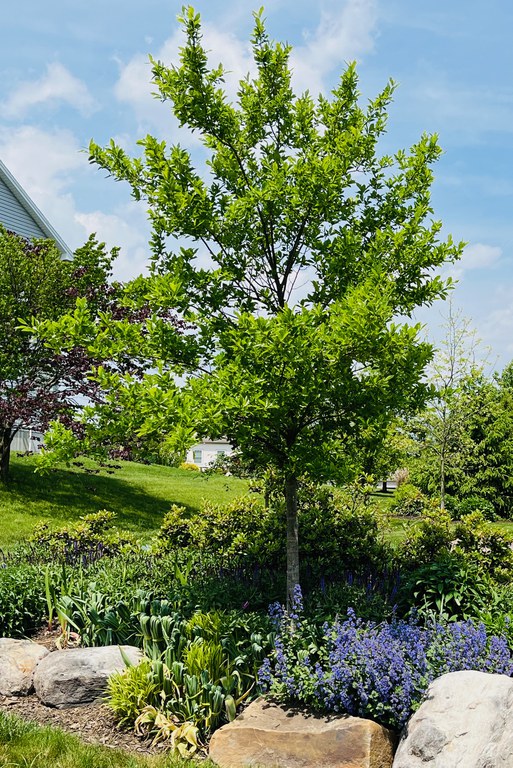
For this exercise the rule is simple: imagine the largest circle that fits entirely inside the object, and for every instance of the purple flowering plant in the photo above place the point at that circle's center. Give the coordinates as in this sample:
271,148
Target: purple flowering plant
379,671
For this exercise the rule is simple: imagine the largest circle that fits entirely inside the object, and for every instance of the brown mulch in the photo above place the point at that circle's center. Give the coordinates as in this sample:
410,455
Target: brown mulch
92,723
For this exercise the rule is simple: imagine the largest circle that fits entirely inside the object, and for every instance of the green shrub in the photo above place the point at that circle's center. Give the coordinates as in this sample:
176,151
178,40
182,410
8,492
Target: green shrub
409,501
22,599
189,466
464,507
427,540
497,614
233,530
337,532
448,589
485,546
88,540
175,530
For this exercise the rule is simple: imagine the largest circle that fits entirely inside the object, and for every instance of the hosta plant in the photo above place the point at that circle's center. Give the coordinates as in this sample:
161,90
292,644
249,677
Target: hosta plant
197,670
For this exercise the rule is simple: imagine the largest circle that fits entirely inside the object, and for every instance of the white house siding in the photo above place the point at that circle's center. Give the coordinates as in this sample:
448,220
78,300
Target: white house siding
21,215
14,216
23,441
206,453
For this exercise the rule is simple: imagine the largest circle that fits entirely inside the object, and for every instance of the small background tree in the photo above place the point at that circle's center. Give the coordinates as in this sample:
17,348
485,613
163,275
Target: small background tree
442,432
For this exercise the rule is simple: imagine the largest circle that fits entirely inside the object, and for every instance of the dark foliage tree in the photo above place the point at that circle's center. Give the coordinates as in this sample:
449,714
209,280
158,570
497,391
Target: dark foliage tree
37,384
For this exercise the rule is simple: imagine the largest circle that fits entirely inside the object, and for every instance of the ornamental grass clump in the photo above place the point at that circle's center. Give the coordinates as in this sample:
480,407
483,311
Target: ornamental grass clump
379,671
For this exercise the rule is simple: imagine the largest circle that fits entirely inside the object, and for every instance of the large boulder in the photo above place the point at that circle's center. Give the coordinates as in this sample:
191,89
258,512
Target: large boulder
78,676
269,735
18,660
465,722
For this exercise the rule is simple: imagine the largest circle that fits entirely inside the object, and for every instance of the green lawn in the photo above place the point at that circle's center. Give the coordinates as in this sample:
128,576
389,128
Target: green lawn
26,745
140,495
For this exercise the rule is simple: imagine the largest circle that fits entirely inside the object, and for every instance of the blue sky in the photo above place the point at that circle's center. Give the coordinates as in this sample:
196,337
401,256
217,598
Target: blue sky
72,70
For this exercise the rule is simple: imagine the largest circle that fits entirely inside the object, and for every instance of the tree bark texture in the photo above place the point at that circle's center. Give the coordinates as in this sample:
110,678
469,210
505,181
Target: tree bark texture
5,452
291,486
442,483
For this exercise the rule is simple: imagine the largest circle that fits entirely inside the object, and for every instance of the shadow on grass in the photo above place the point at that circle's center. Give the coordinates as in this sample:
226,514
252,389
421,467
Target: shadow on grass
66,495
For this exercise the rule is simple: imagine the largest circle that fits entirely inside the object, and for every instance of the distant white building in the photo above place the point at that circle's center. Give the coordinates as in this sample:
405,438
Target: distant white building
207,452
27,440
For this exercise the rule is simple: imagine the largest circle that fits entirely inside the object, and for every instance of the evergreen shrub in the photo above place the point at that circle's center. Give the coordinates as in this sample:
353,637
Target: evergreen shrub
82,543
338,533
466,506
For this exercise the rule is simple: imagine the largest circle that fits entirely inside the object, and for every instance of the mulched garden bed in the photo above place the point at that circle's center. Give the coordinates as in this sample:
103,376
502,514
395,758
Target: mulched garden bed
92,723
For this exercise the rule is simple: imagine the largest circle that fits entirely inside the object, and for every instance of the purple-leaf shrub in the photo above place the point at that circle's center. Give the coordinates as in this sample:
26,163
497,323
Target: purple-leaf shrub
379,671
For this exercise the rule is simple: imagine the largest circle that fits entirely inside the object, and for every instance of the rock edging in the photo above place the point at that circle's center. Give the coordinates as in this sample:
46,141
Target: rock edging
67,678
268,734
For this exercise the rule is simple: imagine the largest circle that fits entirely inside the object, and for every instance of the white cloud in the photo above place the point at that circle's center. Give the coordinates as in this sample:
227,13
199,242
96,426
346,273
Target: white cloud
41,161
46,165
480,256
135,88
450,107
342,36
50,166
56,85
127,229
497,331
475,256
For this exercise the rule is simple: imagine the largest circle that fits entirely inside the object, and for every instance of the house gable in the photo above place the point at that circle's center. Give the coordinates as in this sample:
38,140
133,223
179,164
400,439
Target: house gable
21,215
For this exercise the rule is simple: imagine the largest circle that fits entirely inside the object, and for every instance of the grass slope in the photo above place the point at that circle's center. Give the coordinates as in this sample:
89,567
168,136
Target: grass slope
140,495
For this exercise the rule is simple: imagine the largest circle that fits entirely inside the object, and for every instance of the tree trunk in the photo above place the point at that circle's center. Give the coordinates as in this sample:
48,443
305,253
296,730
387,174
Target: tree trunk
5,452
384,486
291,485
442,483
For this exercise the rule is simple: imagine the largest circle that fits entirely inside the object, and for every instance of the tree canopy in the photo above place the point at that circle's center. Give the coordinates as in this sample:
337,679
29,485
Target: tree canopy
38,385
295,255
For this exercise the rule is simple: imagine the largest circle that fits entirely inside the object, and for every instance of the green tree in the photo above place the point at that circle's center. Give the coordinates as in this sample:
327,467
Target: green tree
442,430
488,466
305,246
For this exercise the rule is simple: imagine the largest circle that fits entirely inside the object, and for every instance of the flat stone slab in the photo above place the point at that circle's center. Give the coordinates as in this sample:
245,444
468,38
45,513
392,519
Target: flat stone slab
465,722
77,676
18,660
268,735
